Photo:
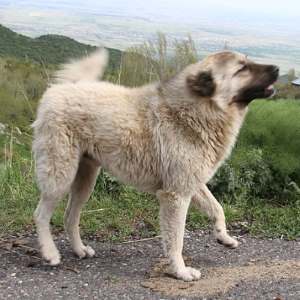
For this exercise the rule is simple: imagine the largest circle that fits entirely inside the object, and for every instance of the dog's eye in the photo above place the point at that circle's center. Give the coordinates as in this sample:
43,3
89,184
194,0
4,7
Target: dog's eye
245,67
242,69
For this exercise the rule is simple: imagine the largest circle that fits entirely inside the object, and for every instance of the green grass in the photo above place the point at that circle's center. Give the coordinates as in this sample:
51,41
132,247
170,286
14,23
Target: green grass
274,127
269,221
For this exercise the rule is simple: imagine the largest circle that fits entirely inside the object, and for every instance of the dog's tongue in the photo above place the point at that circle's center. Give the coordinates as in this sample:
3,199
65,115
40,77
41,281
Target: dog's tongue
270,91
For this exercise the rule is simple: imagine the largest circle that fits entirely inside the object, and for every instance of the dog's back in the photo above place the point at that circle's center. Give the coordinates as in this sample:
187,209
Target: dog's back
79,115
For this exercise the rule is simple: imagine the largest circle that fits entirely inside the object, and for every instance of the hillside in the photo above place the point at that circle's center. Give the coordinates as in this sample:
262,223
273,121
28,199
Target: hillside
47,49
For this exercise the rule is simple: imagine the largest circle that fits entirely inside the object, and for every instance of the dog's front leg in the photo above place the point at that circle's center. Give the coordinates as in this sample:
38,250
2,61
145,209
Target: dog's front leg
207,203
173,210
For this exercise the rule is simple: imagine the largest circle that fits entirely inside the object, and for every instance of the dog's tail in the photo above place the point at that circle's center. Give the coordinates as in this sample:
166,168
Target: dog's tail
89,68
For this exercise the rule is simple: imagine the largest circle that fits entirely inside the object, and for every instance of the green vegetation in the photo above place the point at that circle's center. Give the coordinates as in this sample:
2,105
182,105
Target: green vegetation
258,186
287,91
285,88
47,49
274,127
21,85
153,61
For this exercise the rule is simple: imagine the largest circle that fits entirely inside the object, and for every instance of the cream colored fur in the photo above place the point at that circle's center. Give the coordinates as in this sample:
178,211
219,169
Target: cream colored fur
89,68
160,138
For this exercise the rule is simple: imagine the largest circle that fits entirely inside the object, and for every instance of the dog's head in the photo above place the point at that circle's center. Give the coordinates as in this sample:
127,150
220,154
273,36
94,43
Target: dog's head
229,78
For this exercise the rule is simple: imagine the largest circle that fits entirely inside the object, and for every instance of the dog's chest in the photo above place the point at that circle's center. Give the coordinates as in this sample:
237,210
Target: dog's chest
193,157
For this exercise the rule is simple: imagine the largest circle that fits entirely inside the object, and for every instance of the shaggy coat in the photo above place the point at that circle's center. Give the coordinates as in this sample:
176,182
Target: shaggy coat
165,138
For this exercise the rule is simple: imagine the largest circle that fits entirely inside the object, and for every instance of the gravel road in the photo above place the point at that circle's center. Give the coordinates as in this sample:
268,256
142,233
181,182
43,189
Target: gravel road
258,269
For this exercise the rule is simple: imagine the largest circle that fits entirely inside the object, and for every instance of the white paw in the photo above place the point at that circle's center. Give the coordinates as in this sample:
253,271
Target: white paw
51,255
227,241
84,251
187,274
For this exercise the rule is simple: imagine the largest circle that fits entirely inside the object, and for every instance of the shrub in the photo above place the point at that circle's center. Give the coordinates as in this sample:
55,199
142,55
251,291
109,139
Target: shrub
159,59
253,178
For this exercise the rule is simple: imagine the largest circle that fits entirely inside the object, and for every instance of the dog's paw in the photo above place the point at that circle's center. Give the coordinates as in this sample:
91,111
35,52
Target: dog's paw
84,251
51,255
227,241
186,274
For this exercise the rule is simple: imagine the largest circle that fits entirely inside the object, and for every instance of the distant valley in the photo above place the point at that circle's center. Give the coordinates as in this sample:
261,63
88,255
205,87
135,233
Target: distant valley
122,29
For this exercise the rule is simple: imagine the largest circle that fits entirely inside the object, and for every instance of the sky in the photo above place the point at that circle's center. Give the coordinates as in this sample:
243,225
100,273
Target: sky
188,8
193,8
289,8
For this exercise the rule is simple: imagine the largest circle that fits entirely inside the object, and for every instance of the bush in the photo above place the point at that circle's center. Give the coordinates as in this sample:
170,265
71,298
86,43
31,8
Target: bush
274,127
254,178
159,59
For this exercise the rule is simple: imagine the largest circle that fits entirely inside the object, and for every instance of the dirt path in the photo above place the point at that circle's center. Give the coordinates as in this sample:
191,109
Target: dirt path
258,269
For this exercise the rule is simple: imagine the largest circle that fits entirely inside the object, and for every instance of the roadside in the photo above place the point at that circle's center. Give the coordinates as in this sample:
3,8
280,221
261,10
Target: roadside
258,269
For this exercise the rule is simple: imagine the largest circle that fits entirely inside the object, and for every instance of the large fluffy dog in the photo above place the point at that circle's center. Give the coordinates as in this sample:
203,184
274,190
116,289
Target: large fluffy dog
166,138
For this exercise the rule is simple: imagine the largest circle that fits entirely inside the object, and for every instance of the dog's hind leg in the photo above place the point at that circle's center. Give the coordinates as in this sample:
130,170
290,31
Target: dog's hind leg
81,190
42,216
173,210
207,203
56,166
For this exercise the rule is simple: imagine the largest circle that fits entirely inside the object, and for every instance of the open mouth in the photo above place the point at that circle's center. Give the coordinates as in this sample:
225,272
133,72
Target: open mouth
269,91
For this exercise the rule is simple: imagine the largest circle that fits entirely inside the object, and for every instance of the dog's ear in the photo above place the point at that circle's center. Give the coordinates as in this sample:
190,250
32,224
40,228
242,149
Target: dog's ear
202,84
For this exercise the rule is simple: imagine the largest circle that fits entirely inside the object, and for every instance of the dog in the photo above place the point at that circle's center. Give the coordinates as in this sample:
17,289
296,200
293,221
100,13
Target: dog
165,138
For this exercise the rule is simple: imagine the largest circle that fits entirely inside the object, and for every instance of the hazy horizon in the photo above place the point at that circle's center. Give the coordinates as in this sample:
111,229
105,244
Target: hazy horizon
263,29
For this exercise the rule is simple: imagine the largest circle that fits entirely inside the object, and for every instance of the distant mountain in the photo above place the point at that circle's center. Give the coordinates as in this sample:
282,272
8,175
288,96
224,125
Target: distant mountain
47,49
